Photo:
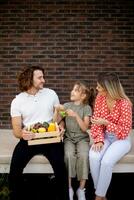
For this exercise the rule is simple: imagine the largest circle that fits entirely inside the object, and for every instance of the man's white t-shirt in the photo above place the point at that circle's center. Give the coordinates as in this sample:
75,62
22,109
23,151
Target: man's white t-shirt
34,108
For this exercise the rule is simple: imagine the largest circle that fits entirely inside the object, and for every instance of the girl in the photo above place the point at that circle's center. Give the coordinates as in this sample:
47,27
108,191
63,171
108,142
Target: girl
111,125
76,140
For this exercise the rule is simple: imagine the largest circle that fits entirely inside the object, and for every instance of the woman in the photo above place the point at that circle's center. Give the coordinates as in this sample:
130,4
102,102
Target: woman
111,125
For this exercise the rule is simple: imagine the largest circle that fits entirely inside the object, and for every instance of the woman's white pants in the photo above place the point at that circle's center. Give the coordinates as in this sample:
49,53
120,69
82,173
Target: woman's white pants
102,163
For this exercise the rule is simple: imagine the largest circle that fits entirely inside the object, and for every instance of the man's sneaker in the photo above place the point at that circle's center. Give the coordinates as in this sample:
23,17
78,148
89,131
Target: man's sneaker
71,193
81,194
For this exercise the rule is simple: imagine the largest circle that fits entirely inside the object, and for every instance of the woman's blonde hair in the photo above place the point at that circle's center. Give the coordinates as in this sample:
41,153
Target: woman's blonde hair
111,84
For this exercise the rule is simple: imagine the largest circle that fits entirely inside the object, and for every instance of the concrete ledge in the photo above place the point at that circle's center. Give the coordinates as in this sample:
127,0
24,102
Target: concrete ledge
39,163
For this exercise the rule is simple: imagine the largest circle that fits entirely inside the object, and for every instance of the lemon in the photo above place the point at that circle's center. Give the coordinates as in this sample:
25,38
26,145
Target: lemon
33,130
51,127
41,130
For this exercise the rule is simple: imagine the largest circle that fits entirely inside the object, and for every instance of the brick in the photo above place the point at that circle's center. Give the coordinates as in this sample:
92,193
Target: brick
71,39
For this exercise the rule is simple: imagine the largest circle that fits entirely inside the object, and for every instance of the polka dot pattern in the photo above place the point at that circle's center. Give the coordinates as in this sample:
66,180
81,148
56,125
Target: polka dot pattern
120,119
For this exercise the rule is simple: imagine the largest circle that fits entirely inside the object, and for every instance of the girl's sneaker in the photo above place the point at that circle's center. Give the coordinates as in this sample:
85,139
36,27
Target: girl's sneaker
71,193
81,194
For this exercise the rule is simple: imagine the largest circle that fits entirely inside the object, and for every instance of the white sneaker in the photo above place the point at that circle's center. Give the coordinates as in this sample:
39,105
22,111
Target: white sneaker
81,194
71,193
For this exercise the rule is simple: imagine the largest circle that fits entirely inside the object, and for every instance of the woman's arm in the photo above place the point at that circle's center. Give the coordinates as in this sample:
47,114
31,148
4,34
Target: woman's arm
97,130
123,126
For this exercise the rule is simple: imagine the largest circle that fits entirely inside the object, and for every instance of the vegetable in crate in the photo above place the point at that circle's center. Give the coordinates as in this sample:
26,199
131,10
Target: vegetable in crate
52,127
39,127
63,113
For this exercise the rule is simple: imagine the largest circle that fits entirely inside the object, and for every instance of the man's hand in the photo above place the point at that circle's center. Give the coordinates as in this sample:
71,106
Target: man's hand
59,107
27,135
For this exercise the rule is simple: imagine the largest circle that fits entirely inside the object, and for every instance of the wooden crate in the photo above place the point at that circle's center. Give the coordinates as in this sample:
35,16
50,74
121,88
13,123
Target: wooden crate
46,137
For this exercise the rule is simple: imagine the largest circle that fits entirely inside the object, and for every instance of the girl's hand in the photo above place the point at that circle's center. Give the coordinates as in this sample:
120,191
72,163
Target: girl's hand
62,131
59,107
99,121
97,147
27,135
71,113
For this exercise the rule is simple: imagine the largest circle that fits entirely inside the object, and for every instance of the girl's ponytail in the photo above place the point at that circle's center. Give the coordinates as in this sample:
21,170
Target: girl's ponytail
89,91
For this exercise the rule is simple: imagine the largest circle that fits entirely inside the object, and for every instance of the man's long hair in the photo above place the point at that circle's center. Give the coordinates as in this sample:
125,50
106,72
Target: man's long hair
25,78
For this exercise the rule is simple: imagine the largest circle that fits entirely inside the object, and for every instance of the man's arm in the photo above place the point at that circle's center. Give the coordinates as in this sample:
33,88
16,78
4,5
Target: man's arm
18,131
56,115
17,126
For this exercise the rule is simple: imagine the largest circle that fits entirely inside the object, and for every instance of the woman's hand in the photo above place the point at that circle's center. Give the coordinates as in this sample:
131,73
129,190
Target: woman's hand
27,135
99,121
98,146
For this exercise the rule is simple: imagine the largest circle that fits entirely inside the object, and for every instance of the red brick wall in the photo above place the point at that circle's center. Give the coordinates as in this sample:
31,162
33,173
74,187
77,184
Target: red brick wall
71,39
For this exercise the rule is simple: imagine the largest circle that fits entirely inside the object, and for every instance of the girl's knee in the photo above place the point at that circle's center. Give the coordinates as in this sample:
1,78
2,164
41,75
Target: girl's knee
69,155
83,155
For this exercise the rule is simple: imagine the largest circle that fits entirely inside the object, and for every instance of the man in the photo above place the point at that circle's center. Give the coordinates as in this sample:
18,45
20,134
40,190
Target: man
34,104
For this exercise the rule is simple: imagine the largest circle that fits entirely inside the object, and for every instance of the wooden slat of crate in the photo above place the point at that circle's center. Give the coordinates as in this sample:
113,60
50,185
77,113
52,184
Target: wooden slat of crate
44,140
47,134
